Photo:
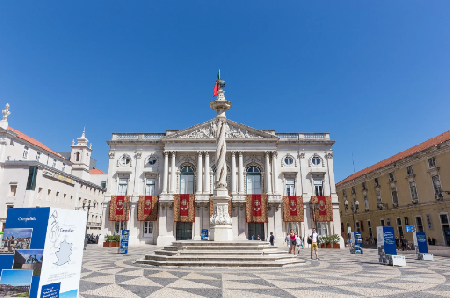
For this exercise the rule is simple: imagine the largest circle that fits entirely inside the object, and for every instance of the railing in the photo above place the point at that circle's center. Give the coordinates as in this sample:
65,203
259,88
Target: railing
303,136
94,224
138,136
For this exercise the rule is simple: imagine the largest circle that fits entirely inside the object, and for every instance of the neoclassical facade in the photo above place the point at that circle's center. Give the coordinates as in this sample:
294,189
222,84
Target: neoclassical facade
162,166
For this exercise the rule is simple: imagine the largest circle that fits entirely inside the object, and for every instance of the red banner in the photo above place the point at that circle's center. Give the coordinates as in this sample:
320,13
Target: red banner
324,210
117,207
257,208
293,209
148,208
184,208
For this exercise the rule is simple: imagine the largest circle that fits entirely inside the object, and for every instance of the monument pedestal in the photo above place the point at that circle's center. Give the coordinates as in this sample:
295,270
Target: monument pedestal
220,222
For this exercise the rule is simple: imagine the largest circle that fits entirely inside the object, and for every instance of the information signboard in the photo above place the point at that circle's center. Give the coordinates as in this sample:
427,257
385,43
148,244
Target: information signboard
420,241
204,234
410,229
41,252
124,238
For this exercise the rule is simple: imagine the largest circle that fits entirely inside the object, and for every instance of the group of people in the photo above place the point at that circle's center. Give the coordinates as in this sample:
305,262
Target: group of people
92,239
294,242
11,243
402,243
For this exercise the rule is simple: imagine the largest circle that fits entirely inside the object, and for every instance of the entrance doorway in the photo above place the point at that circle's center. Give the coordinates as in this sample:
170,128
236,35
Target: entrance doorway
255,229
184,230
445,229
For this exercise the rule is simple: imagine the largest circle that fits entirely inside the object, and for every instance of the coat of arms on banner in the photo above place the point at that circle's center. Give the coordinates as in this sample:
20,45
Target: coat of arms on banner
257,208
184,208
117,207
293,209
325,208
148,208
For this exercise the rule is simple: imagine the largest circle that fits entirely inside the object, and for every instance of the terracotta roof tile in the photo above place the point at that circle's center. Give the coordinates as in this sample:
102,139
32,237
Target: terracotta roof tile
96,171
32,141
418,148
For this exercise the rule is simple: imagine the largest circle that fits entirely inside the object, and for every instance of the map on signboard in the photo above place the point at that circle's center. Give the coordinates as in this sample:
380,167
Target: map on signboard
63,254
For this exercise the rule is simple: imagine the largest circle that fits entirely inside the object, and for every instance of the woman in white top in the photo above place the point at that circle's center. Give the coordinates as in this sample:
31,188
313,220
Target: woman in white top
299,243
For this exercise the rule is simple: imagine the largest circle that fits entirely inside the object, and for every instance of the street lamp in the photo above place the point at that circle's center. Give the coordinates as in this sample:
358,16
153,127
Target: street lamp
354,209
87,205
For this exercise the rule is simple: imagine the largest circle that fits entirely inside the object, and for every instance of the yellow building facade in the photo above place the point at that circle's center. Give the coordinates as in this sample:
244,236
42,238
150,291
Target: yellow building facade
409,188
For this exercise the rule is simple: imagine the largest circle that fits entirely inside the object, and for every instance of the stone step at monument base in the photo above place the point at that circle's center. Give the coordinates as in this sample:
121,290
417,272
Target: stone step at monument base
221,254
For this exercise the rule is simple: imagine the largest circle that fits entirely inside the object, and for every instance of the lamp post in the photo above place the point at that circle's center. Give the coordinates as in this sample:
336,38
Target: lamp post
313,207
87,205
354,210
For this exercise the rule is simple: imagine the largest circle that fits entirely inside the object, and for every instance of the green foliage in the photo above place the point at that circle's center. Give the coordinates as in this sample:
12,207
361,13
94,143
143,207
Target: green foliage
335,238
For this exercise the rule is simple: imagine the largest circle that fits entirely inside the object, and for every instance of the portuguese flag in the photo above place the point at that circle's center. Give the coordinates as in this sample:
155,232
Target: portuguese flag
216,86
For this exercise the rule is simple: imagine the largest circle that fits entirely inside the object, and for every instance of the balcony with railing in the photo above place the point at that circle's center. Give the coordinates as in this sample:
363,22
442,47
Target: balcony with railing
302,136
137,136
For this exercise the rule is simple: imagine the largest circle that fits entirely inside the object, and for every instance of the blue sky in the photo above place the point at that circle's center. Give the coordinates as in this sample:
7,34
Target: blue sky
375,74
17,233
16,277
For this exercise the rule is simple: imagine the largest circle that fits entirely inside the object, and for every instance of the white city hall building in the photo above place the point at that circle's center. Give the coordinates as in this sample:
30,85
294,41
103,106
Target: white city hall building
261,164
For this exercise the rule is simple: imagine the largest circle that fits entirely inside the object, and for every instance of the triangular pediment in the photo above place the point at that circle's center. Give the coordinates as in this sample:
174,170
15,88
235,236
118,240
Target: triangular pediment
207,130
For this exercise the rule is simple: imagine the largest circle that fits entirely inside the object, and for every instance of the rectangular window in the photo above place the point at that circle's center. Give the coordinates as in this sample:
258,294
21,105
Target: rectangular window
71,200
437,186
369,224
25,152
358,228
353,190
64,199
413,190
54,163
31,183
12,190
150,187
344,192
187,184
103,184
57,197
364,186
388,221
38,156
409,170
63,167
432,162
366,202
419,224
148,228
376,182
379,199
253,184
40,193
394,195
49,194
290,187
399,221
391,177
322,228
123,185
382,222
318,187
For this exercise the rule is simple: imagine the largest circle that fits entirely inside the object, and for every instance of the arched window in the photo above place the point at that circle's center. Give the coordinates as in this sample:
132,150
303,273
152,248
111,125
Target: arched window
187,180
253,181
125,160
77,156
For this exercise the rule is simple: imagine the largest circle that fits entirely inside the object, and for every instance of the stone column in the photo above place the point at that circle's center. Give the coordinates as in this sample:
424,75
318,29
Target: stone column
199,172
198,222
274,172
268,184
166,171
173,173
233,172
241,221
206,186
278,221
241,173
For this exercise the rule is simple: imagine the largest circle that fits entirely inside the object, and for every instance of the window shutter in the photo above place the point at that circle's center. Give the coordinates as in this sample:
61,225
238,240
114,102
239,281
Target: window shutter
31,183
362,227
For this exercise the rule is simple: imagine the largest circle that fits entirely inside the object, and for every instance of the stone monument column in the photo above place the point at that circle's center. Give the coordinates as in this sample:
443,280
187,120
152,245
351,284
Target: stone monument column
221,228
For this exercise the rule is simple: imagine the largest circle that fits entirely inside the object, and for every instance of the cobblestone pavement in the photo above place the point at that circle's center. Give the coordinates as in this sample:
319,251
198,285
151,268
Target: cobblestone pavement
337,274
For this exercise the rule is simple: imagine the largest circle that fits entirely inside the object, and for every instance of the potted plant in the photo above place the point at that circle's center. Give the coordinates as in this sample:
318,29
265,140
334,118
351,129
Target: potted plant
335,239
106,242
321,241
116,240
328,242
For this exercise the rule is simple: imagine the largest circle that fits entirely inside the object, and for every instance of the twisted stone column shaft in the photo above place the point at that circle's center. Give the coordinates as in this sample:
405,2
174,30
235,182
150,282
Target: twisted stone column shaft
221,149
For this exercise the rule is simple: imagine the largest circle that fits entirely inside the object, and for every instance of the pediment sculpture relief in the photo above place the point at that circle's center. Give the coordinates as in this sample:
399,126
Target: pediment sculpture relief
209,131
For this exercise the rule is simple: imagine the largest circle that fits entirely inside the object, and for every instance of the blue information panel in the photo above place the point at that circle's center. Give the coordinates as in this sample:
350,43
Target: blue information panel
204,234
422,242
124,237
409,228
389,241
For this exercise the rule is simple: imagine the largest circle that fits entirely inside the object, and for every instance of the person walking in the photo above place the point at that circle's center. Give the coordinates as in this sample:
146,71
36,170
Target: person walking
293,242
288,242
298,240
314,237
272,239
